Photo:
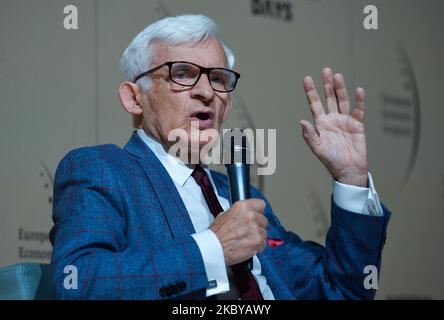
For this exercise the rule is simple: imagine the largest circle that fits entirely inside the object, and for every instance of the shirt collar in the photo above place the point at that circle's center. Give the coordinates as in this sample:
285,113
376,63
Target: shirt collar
176,168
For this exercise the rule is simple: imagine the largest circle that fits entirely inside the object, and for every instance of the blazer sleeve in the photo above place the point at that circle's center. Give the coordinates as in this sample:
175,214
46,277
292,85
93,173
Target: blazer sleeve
338,270
90,234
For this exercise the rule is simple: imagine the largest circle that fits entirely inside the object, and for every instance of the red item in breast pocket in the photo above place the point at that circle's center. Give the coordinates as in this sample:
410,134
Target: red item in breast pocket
273,243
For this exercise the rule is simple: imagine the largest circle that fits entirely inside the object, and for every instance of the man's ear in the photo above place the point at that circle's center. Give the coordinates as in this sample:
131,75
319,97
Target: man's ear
227,109
130,98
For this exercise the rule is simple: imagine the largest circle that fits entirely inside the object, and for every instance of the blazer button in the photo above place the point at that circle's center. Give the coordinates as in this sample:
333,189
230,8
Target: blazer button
169,290
176,289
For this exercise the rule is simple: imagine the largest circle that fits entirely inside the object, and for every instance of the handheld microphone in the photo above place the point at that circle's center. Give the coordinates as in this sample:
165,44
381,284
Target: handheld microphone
238,170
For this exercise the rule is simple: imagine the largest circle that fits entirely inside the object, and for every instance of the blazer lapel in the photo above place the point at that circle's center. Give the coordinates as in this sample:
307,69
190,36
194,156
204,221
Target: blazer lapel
173,207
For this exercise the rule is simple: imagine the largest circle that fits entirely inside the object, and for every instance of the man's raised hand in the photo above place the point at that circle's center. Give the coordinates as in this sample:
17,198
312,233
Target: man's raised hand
337,137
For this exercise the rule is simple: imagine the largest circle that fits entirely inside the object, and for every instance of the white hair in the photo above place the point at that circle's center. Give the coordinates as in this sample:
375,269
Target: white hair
172,31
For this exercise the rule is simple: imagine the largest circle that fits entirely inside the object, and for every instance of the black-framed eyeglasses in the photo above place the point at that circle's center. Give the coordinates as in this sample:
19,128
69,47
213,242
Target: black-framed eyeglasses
188,74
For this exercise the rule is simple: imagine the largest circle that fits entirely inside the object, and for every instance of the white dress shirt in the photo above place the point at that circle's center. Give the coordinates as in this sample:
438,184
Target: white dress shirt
350,198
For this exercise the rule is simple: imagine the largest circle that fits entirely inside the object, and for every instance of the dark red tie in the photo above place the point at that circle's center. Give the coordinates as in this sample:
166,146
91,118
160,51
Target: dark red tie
247,285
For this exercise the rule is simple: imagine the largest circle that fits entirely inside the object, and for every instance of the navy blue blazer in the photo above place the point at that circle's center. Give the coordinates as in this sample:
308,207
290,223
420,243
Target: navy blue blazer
119,220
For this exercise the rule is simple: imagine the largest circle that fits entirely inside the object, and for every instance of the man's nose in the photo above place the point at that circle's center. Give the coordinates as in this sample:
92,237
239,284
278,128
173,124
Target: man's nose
203,89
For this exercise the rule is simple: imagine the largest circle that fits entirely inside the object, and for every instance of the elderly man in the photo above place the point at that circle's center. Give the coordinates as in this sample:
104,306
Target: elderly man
141,223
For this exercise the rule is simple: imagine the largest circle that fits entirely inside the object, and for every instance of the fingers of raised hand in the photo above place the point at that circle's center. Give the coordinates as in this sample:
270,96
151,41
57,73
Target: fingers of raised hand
314,101
329,90
359,111
341,93
310,135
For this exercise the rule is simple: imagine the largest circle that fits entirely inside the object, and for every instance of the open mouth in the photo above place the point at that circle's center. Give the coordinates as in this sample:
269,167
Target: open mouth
205,119
202,116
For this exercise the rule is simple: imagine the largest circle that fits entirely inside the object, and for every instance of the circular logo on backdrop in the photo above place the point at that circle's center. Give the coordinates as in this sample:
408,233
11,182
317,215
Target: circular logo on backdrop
401,115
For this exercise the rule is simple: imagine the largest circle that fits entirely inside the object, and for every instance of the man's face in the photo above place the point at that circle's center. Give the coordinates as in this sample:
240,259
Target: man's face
169,106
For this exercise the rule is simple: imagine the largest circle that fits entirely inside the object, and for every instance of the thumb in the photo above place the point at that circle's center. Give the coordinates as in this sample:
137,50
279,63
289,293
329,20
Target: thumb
310,135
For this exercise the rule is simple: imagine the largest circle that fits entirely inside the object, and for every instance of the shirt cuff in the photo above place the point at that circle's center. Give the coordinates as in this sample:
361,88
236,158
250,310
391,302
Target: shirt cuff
213,258
357,199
